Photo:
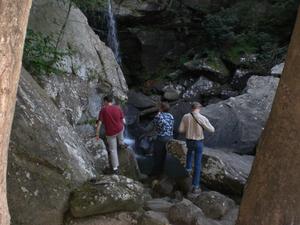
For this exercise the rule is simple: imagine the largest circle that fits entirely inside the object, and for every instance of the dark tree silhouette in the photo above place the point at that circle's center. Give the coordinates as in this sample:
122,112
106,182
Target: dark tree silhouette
13,24
272,195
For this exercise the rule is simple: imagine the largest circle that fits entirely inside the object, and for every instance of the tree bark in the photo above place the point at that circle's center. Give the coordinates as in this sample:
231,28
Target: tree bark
13,23
272,195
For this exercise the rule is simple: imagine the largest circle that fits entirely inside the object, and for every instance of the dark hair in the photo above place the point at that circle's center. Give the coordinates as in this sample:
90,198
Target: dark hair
108,98
165,106
196,105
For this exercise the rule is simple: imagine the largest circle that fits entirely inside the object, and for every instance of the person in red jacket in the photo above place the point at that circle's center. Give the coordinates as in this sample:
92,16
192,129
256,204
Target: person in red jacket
112,117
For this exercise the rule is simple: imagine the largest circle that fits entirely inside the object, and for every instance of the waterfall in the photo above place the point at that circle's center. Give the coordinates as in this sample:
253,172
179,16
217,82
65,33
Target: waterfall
112,36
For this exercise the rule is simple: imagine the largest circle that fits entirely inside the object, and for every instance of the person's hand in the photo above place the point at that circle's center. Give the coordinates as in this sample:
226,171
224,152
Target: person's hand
97,138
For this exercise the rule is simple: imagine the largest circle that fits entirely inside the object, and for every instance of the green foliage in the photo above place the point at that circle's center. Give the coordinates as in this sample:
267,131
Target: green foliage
41,56
255,27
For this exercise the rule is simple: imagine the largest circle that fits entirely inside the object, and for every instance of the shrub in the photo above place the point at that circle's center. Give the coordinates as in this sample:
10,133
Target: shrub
41,56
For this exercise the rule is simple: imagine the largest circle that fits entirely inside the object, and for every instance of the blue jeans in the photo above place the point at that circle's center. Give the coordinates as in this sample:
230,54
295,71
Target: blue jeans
195,149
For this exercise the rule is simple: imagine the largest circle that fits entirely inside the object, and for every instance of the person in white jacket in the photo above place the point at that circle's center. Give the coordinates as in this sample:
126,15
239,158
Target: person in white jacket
192,125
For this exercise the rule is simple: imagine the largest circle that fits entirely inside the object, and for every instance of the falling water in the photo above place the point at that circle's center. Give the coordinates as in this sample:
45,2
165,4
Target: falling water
112,37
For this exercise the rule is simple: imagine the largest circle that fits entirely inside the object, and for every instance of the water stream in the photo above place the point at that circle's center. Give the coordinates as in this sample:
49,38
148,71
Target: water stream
112,37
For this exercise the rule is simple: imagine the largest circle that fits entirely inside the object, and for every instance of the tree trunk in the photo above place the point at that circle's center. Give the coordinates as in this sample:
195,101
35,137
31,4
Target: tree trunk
13,23
272,195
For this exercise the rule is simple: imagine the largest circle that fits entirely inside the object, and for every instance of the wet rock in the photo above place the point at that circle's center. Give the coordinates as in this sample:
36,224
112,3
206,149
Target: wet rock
214,205
202,220
225,171
139,100
109,194
47,159
128,164
213,69
158,205
202,87
153,218
132,115
240,120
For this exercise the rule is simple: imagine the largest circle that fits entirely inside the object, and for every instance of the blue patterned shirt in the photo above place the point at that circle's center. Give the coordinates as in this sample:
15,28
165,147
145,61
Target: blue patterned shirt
164,124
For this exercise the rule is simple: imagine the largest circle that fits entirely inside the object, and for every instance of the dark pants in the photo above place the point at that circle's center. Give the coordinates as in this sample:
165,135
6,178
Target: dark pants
195,149
159,155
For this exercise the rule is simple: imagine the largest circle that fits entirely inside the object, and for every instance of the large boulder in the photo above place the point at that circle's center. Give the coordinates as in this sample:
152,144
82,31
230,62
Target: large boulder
91,69
122,218
107,195
46,159
153,218
225,171
184,213
158,205
240,120
139,100
214,205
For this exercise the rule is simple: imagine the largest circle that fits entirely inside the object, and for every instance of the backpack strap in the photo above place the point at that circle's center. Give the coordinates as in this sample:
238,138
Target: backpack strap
196,120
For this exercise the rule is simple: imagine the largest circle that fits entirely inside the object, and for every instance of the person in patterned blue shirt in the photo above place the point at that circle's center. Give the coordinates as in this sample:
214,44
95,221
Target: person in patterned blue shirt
164,125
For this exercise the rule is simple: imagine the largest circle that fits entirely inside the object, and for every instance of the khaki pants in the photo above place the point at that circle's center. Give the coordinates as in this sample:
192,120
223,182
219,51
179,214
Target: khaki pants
113,142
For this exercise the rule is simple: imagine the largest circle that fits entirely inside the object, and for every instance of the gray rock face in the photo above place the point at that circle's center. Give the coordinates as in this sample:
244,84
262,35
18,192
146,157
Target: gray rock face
203,87
92,70
99,154
225,172
184,213
240,120
153,218
109,194
139,100
158,205
128,164
214,205
46,159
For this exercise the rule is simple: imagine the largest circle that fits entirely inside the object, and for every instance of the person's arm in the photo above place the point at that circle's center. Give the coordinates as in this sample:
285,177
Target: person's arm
157,120
206,124
182,128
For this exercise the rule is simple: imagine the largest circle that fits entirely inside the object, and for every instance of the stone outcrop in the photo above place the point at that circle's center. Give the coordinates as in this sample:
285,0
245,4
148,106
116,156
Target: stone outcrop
107,195
239,121
46,159
91,69
226,172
